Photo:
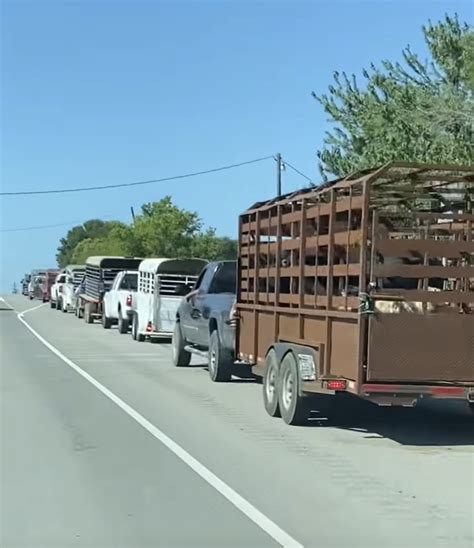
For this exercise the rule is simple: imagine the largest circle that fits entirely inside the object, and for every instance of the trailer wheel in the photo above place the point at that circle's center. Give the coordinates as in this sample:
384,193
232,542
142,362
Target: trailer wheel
87,313
293,406
52,304
106,321
136,335
122,323
181,357
58,304
270,385
220,362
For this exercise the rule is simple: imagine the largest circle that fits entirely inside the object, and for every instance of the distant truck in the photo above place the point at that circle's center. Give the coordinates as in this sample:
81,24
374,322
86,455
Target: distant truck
35,284
205,321
99,276
49,279
24,284
118,301
161,286
362,286
63,290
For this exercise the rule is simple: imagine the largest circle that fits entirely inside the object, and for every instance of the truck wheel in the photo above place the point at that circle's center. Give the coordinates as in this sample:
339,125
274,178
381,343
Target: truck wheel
106,321
136,335
52,304
64,308
220,362
87,313
122,324
293,407
181,357
58,304
270,386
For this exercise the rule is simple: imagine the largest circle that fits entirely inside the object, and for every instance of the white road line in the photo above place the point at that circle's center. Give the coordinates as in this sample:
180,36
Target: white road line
8,304
27,310
260,519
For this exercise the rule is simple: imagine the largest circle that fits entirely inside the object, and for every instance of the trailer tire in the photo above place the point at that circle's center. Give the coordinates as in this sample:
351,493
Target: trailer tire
122,324
136,335
88,314
58,304
106,321
270,385
220,361
293,406
52,304
180,356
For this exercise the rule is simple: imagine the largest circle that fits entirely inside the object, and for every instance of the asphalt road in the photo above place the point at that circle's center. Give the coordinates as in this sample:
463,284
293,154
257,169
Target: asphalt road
108,445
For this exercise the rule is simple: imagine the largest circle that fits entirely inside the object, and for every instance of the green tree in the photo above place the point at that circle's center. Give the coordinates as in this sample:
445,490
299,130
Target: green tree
165,230
161,230
118,241
207,245
95,228
410,111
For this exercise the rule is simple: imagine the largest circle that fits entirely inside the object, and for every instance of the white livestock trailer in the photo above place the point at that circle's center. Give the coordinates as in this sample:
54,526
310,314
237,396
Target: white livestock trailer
162,283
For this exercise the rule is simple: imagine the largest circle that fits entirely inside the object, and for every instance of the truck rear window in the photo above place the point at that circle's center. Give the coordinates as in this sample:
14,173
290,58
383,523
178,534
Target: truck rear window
129,282
225,280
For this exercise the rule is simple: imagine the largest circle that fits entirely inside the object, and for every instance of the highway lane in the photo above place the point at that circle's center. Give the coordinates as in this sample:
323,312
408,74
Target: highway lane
358,476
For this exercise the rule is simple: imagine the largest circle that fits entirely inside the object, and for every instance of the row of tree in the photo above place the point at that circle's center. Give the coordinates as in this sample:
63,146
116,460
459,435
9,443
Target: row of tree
161,230
413,110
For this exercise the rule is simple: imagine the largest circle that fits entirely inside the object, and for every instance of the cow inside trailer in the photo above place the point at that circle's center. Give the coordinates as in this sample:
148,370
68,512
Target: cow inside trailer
367,282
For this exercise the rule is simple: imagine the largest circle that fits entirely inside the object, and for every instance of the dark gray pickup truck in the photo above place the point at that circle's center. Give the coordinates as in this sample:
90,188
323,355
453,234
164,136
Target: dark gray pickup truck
205,322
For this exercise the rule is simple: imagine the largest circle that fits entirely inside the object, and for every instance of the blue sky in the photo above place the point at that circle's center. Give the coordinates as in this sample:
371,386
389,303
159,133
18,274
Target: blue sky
111,92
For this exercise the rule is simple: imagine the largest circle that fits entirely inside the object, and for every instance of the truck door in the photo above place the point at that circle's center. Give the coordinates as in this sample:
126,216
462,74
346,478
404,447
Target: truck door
193,321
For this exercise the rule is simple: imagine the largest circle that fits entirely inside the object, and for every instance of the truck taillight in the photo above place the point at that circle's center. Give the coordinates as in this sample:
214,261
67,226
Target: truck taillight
129,300
233,315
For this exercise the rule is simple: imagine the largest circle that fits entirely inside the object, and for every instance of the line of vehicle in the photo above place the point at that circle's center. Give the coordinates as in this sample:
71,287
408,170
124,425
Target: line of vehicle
243,505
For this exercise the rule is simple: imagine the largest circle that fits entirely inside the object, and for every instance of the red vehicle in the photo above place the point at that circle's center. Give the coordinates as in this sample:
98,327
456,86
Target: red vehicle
49,279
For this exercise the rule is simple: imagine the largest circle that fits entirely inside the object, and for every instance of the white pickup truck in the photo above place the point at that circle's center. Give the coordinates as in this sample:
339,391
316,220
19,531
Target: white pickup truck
56,290
118,301
63,289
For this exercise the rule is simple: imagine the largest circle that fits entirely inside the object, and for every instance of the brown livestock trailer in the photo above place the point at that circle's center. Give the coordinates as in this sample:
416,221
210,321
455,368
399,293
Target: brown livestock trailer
363,285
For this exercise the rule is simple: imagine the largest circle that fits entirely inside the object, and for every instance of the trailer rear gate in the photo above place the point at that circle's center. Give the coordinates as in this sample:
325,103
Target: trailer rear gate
375,272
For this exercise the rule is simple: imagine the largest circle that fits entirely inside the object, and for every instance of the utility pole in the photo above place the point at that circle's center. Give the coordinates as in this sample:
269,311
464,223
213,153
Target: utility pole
278,161
133,214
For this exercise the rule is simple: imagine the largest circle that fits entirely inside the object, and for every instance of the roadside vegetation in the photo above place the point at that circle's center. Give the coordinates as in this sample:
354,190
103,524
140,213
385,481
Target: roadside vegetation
161,230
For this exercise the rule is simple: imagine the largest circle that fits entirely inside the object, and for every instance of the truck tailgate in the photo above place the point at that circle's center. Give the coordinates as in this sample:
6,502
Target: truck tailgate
421,348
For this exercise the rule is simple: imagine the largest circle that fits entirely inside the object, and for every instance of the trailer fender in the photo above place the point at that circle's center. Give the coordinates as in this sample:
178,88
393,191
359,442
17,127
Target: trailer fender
306,358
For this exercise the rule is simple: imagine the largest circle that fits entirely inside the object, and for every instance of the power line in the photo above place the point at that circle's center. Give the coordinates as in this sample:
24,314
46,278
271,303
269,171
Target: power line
137,183
286,163
38,227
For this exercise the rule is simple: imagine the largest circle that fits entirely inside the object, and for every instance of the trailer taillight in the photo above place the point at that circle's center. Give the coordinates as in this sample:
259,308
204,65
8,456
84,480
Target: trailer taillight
129,300
336,385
